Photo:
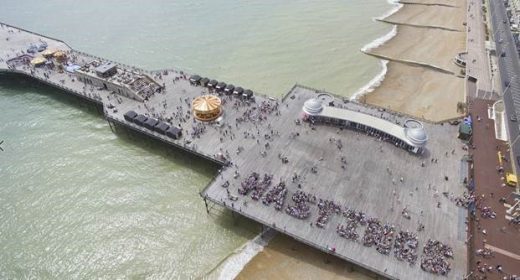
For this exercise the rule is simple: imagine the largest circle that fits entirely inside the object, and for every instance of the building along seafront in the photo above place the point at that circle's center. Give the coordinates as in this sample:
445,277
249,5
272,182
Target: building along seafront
367,185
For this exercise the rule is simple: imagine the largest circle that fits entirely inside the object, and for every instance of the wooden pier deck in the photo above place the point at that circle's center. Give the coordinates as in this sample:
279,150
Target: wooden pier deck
370,183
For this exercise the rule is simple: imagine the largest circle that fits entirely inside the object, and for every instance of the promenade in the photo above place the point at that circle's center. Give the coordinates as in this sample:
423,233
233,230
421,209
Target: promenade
491,231
478,58
327,173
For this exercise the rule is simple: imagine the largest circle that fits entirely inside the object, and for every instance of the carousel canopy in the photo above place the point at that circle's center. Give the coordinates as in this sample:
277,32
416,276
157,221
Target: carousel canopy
206,103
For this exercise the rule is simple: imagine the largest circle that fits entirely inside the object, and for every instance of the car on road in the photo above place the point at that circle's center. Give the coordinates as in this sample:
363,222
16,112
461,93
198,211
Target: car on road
513,118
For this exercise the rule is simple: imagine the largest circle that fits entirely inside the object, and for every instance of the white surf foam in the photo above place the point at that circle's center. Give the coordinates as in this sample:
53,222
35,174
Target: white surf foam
374,83
240,257
396,8
381,40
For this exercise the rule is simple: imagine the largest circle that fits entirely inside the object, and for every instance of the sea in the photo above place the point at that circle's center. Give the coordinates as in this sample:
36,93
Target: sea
80,201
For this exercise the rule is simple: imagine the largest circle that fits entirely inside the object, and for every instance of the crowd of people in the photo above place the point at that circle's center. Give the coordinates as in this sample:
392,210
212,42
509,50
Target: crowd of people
325,209
277,195
488,213
405,247
348,231
253,184
435,257
301,209
379,234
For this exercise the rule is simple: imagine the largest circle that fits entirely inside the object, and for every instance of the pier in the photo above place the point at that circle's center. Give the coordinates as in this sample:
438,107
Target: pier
352,169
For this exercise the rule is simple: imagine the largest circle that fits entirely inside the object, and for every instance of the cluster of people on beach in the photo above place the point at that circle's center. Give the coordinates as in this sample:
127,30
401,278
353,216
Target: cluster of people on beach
435,257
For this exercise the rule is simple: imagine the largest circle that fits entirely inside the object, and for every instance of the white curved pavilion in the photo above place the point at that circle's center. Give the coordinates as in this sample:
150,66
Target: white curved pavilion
411,136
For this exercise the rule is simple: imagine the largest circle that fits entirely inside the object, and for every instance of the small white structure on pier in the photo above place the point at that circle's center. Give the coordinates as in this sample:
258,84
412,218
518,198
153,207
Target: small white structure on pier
411,136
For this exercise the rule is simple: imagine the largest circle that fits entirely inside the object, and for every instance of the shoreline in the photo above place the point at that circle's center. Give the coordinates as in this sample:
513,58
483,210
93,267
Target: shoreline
378,79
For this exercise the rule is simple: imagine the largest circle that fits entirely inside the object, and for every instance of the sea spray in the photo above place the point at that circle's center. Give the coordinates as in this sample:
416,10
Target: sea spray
375,82
234,264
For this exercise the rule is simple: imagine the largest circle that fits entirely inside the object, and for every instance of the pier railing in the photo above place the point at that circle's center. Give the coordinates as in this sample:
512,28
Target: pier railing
35,33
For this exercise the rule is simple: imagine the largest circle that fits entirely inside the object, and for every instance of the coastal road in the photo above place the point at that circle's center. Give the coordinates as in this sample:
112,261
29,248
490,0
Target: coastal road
509,66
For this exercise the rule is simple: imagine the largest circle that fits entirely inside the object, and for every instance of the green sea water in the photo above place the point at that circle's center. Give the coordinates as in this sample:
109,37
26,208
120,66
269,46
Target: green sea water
78,201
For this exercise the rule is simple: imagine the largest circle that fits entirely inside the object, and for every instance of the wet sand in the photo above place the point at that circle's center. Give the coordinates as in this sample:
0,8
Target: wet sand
418,91
426,46
285,258
451,18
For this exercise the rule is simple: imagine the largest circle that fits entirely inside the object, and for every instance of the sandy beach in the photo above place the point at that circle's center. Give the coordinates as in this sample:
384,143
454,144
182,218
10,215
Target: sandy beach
430,95
422,79
425,46
285,258
451,18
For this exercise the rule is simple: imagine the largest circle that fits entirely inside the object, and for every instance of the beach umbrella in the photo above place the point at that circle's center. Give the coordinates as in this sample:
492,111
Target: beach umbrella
48,53
37,61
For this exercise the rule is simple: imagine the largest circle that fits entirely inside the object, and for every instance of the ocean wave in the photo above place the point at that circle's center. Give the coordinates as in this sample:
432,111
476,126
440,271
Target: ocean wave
397,7
381,40
375,82
234,264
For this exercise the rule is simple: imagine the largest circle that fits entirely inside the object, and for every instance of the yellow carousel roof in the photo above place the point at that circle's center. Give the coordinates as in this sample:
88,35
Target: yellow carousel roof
206,103
38,60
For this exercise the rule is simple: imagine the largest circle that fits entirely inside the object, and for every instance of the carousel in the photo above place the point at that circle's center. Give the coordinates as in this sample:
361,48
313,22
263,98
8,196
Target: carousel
206,107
